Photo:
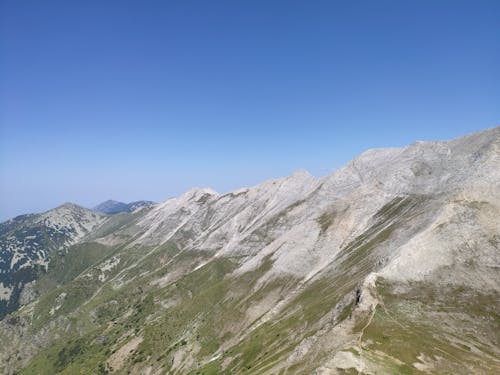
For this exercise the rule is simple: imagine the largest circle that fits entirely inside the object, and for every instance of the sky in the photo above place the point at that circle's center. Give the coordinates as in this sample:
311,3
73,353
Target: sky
145,99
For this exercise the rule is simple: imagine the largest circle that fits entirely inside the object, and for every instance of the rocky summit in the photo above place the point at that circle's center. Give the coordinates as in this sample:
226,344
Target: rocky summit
389,265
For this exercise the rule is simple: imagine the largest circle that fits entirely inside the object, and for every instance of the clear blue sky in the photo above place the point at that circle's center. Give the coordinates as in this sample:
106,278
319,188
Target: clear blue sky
145,99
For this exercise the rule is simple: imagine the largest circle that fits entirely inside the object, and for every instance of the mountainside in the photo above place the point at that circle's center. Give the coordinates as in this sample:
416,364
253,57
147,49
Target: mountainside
27,241
390,265
115,207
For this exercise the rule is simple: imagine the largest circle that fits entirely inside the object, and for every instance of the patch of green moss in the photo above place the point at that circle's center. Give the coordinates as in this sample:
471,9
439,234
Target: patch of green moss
325,221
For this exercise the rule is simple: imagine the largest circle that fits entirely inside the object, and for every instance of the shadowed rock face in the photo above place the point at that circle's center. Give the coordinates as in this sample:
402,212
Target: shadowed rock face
388,265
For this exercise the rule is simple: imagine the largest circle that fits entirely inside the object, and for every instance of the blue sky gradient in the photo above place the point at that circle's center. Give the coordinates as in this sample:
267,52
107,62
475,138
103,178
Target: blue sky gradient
145,99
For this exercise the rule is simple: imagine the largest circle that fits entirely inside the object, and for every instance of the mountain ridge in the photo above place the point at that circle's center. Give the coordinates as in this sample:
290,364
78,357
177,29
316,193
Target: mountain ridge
387,265
114,207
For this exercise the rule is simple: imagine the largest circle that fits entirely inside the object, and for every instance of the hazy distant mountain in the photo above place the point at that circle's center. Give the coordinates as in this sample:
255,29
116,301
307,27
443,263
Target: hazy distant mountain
114,207
389,265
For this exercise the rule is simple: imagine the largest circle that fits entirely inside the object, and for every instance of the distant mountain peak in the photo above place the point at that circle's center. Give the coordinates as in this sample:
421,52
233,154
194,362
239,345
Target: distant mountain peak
111,206
110,201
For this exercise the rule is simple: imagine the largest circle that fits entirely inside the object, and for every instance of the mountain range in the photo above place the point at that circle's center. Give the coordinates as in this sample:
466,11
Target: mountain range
114,207
389,265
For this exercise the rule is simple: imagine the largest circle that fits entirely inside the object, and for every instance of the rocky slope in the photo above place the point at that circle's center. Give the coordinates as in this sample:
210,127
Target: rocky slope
389,265
27,241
